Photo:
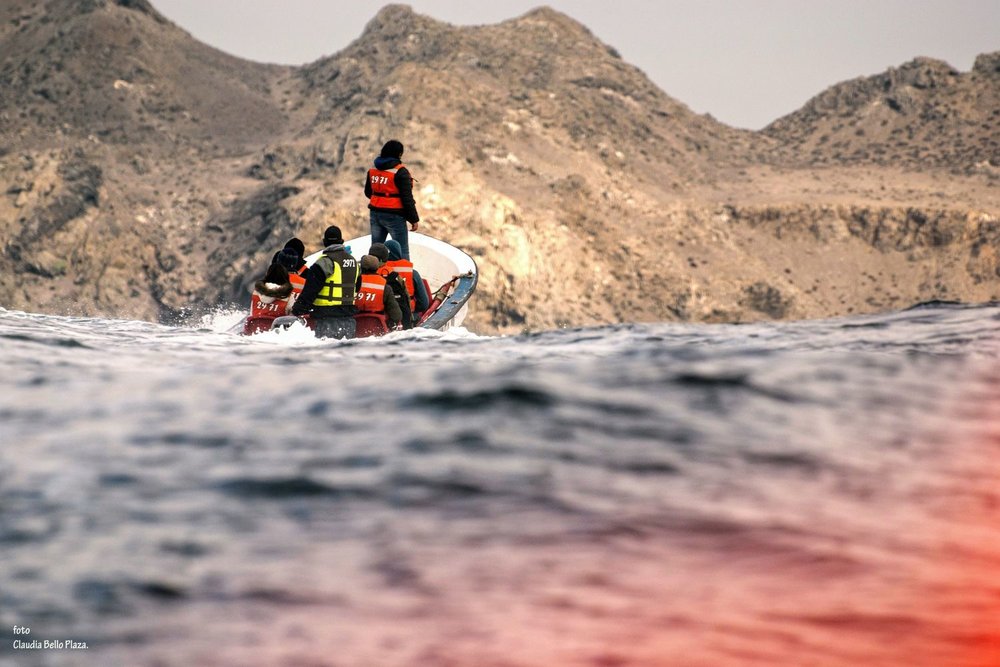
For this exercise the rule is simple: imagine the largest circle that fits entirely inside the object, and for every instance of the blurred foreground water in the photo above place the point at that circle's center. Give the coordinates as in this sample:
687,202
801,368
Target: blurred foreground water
821,493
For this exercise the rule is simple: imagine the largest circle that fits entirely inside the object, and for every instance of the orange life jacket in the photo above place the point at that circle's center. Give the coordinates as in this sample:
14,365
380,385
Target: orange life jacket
385,194
298,281
268,306
369,298
404,268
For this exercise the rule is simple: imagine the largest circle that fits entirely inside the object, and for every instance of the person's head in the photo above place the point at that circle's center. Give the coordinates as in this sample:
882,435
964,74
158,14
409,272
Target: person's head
392,148
395,250
332,236
379,251
276,274
296,246
370,264
289,259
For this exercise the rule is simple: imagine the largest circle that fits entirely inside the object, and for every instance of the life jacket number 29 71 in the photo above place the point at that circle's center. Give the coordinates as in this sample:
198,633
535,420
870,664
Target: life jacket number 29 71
380,180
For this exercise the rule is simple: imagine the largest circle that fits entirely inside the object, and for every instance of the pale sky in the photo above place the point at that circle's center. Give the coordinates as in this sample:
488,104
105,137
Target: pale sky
746,62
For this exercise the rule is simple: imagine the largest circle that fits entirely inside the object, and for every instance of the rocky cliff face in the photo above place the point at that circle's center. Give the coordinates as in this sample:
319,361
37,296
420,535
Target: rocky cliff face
147,175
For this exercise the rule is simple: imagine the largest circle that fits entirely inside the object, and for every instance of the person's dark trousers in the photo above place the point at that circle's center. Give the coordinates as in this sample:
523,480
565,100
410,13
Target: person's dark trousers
390,224
335,327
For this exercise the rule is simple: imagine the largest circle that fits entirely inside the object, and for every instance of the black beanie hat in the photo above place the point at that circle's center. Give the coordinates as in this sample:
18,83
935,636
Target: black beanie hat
296,246
332,236
392,148
289,259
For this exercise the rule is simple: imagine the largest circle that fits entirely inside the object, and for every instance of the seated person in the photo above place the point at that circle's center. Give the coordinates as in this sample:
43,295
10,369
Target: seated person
419,300
395,281
375,295
273,295
295,266
332,282
294,247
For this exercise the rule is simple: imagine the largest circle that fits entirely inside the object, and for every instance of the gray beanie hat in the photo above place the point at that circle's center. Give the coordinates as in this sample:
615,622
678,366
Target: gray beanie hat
380,251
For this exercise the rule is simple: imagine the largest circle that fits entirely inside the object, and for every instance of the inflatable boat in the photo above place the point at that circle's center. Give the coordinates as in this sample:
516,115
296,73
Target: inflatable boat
449,275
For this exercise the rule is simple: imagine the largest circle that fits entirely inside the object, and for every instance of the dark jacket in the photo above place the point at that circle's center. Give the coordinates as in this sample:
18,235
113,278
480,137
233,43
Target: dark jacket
398,285
316,276
420,296
404,183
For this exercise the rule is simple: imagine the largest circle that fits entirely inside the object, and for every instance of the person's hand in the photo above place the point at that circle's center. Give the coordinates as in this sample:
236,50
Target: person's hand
413,226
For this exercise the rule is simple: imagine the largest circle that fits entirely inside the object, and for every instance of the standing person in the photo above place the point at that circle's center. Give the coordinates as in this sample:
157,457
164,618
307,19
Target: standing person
389,188
375,295
331,283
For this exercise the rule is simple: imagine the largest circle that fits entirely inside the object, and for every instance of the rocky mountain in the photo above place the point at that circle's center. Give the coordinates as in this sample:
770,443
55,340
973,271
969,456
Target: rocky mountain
923,113
148,175
112,122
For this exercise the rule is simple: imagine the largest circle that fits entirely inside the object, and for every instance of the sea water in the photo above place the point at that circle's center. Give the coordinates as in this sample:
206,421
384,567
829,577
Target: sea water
821,493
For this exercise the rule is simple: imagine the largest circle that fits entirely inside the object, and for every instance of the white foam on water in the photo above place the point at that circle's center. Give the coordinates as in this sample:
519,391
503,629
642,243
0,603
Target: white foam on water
419,333
299,335
223,320
295,335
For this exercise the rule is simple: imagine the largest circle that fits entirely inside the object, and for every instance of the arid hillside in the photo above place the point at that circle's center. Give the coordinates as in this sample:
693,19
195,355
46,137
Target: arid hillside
923,113
148,175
